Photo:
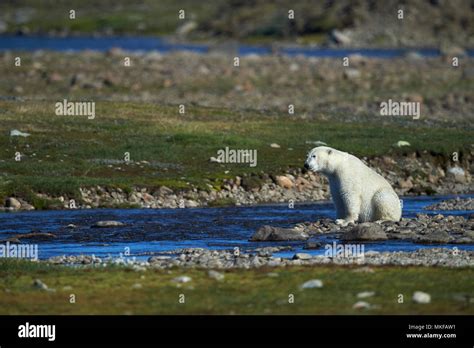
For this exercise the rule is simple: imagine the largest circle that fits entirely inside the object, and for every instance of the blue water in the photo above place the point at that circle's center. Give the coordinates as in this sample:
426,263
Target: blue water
150,231
32,43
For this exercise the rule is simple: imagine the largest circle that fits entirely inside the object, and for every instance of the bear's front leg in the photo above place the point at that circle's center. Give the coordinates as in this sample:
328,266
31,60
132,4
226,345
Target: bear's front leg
351,209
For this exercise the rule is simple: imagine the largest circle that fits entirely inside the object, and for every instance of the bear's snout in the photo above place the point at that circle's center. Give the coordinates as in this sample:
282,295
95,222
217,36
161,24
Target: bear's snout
306,165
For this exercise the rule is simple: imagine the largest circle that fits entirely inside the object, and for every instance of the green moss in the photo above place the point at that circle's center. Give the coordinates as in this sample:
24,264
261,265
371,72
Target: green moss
252,182
110,290
222,202
65,154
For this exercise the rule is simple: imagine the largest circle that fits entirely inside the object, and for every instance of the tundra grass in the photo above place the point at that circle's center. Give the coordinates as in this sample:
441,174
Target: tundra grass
64,153
114,290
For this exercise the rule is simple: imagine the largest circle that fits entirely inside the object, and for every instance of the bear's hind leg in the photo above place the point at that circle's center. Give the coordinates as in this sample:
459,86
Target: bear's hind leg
386,206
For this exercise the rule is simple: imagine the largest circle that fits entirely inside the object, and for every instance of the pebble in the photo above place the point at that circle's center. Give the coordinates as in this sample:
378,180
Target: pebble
226,259
182,279
361,305
365,294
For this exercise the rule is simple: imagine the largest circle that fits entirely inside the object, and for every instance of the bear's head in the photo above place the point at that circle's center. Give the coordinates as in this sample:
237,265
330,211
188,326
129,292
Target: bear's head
323,159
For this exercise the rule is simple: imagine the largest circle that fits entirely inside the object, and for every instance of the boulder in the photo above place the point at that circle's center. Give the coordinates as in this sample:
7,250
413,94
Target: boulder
269,233
12,202
435,236
366,231
284,182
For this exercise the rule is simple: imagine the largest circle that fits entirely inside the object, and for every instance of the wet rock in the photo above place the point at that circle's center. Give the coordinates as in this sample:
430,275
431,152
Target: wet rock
268,251
365,231
453,204
269,233
36,236
301,256
312,284
108,223
435,236
313,245
421,297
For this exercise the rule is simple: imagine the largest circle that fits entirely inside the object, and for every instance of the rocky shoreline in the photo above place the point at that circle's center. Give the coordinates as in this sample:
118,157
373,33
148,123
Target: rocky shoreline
423,229
453,204
334,244
434,175
230,259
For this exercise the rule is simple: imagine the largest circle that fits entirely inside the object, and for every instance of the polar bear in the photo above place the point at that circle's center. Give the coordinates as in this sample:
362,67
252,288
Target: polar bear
359,193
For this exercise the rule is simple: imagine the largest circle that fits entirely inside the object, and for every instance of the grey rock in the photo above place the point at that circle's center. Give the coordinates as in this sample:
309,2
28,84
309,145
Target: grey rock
313,245
269,233
436,236
108,223
301,256
365,231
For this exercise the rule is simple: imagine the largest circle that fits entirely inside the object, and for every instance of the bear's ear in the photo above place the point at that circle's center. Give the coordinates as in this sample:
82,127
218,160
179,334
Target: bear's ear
329,152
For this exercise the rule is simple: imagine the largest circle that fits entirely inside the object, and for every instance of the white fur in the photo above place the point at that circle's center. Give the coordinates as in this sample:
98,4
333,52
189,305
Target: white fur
359,193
